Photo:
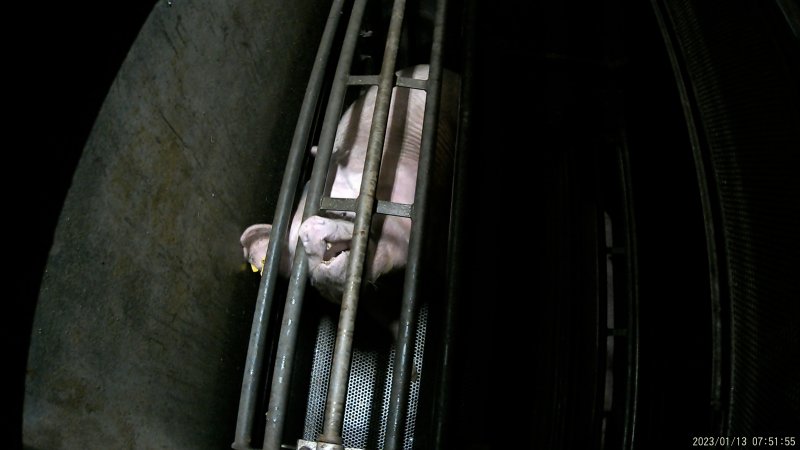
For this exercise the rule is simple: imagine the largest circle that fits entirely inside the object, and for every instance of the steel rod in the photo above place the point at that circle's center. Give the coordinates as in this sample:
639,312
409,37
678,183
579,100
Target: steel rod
266,291
446,369
404,347
340,367
631,269
287,342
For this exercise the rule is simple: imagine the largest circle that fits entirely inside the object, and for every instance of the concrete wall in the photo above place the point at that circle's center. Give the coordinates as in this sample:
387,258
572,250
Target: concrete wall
144,311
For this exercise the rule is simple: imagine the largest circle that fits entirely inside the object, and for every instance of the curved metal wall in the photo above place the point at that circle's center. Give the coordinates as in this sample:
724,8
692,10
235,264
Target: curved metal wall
739,63
144,309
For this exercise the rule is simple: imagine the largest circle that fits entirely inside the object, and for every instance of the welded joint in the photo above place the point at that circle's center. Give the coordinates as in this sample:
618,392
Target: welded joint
302,444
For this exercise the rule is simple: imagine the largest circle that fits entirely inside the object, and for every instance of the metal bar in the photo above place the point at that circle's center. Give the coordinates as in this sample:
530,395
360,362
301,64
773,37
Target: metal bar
340,367
266,291
394,209
373,80
404,350
707,183
632,266
412,83
279,392
337,204
349,204
363,80
456,244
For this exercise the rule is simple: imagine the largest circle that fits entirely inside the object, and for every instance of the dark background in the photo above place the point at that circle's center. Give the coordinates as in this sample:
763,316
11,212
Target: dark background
63,58
73,52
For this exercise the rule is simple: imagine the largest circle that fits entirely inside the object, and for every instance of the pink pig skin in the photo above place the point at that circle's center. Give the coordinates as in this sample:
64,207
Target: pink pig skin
326,240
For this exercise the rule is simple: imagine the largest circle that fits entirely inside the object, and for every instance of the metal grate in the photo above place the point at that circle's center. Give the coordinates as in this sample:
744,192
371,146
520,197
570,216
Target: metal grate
743,93
368,387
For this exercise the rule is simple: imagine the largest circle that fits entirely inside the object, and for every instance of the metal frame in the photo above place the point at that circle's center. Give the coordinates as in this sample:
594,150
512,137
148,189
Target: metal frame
407,327
365,203
279,392
364,207
280,224
455,267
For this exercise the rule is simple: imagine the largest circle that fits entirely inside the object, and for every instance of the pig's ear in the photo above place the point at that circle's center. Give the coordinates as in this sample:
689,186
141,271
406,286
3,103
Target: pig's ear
255,239
254,233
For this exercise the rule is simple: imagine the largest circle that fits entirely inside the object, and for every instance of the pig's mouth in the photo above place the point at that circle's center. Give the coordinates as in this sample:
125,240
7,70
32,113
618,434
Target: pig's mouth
335,249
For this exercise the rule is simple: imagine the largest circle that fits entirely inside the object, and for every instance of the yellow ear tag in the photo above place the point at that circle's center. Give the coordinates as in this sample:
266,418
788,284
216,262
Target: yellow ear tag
255,269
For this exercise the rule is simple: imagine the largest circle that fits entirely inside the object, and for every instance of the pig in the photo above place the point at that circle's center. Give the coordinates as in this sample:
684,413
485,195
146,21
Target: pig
326,237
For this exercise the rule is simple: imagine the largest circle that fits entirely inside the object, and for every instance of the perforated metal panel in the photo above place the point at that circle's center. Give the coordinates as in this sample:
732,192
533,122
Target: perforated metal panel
745,87
367,390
